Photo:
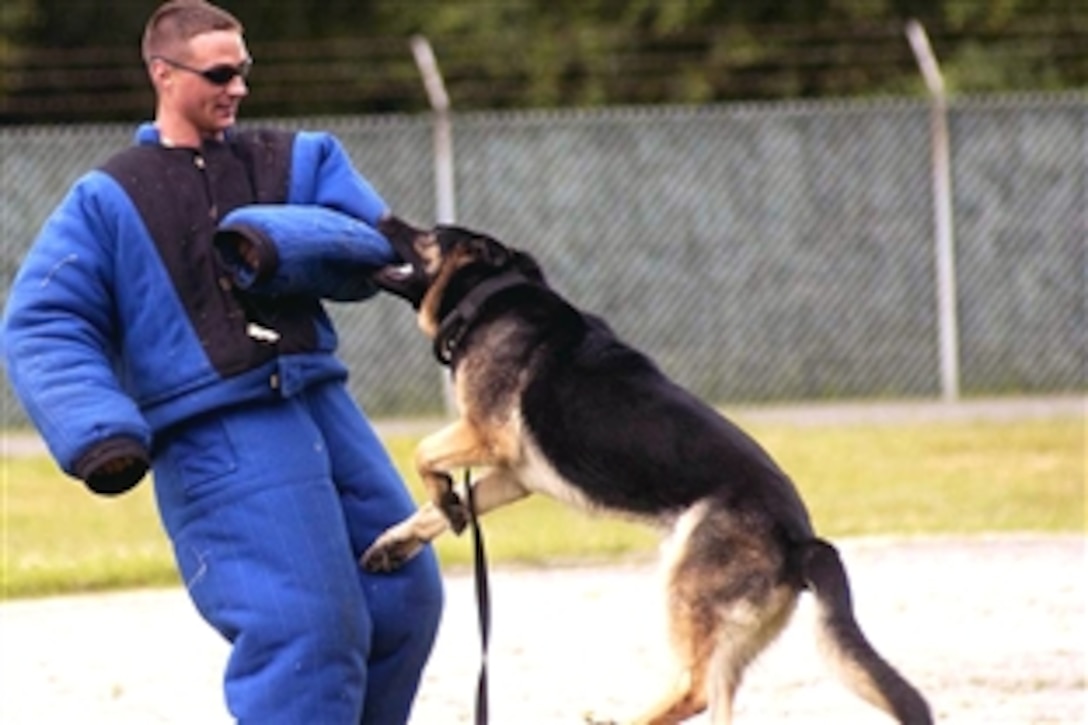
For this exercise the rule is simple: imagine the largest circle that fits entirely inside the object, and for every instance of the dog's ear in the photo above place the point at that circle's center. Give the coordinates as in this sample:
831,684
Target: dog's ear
491,252
482,248
527,265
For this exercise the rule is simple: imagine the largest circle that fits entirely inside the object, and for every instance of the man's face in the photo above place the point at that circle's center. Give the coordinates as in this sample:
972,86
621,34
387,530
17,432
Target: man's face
208,107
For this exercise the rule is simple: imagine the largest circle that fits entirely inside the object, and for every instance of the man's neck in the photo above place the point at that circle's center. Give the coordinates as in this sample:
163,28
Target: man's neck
182,135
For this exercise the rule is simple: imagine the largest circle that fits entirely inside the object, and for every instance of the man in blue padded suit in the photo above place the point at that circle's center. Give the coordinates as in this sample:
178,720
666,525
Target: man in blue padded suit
168,315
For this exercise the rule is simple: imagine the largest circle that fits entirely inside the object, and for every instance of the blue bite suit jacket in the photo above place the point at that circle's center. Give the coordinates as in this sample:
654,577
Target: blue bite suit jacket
124,319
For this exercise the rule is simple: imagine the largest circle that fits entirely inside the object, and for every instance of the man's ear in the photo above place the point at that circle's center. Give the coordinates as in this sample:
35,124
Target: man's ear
159,73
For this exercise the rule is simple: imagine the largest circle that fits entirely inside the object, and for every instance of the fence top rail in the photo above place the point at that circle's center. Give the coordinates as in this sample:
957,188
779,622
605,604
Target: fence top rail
742,109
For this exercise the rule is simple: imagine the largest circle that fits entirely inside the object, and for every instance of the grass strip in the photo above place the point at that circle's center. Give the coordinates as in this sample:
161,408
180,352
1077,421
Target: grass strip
957,477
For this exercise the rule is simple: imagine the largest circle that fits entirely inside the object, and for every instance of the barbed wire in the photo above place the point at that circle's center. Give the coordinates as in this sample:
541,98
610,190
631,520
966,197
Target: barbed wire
358,74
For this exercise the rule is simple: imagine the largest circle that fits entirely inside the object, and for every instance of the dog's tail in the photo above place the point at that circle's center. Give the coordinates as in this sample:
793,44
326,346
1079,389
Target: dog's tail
853,659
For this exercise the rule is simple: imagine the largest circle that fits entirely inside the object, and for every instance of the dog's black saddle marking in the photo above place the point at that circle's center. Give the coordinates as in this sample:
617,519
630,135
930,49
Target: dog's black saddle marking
460,319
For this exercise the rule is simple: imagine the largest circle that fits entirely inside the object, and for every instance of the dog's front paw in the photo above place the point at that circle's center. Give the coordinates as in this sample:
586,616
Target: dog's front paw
389,553
454,509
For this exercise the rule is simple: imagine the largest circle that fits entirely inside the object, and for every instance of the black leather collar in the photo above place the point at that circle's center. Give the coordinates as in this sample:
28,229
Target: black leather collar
457,322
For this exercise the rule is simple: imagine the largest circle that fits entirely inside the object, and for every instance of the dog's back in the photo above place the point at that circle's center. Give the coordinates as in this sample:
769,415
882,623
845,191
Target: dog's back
635,442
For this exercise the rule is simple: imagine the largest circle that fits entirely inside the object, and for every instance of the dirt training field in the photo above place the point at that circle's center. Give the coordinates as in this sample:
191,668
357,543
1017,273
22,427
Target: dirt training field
992,629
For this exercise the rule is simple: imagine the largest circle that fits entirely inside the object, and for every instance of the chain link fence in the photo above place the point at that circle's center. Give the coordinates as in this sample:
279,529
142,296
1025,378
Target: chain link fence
758,252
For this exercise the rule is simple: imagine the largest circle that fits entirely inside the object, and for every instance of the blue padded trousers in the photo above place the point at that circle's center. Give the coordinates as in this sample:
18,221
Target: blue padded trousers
268,507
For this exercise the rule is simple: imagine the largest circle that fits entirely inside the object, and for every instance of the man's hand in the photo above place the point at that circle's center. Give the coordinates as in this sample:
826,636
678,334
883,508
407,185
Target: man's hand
247,250
113,466
117,476
248,258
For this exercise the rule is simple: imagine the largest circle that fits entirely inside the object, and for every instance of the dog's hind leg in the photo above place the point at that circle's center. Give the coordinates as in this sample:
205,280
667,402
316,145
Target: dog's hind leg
746,628
728,599
714,645
687,695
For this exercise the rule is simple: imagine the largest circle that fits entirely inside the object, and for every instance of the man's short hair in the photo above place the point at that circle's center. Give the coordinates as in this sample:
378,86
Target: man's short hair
176,22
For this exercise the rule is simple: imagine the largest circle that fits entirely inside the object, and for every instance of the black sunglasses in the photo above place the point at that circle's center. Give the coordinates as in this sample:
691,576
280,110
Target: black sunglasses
219,75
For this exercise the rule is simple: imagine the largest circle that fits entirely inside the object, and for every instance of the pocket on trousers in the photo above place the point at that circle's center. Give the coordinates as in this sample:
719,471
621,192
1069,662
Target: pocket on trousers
201,454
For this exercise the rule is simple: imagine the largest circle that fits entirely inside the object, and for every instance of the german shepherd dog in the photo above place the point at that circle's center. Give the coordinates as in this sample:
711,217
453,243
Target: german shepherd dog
552,402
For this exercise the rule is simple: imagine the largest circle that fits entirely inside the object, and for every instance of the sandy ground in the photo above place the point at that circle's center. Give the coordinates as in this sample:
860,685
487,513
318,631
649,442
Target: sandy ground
992,629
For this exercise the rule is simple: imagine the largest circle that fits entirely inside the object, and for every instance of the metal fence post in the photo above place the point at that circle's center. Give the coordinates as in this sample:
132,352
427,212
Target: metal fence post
948,330
445,205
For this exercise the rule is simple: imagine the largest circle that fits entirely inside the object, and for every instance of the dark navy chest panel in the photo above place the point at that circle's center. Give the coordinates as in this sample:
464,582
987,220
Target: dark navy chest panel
181,195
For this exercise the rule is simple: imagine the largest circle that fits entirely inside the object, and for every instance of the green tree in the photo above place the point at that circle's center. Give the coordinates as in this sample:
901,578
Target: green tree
76,59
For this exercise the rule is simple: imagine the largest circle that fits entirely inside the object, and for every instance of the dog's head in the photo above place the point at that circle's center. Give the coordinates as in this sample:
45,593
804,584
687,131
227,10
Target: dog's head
444,264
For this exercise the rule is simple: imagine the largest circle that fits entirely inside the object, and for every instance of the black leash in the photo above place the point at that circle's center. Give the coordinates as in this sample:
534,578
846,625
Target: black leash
483,598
